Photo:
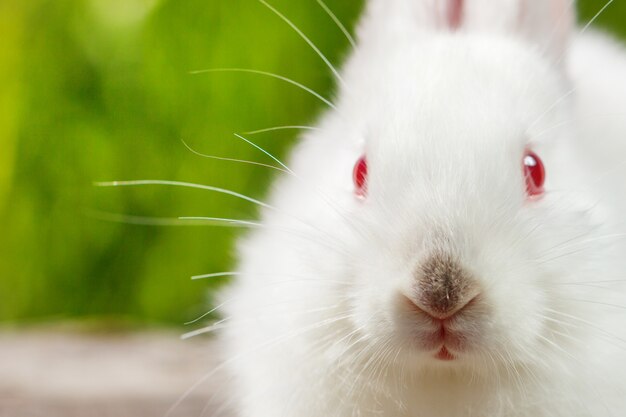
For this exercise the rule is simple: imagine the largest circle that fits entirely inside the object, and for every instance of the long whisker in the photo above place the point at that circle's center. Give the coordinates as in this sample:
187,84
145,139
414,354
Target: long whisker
305,38
216,275
550,108
185,185
587,323
610,171
272,75
574,284
156,221
575,242
275,128
267,285
260,287
553,127
245,223
577,246
227,323
219,158
606,115
616,306
593,19
338,23
265,152
562,255
329,244
610,281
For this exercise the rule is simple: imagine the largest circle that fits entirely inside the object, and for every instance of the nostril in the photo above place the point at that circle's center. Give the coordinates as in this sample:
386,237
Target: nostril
439,315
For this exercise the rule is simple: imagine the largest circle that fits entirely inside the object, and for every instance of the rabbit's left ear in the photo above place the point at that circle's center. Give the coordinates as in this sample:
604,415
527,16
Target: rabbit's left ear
545,23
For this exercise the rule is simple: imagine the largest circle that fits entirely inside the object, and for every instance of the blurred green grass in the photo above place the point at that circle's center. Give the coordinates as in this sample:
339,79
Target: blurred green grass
94,90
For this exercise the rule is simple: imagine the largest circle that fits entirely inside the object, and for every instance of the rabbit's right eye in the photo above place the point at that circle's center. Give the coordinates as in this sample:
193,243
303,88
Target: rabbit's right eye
359,175
534,173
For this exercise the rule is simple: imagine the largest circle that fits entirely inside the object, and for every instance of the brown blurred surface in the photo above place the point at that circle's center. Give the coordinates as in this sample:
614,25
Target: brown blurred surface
70,374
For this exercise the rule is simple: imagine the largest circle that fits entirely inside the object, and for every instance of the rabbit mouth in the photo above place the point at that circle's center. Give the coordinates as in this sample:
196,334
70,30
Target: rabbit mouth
445,338
447,343
444,355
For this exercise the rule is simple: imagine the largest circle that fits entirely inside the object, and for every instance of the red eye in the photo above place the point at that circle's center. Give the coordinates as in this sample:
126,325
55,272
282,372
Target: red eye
535,174
359,176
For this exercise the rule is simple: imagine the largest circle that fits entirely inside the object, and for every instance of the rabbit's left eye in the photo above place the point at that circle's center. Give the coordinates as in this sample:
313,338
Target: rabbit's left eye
534,174
359,175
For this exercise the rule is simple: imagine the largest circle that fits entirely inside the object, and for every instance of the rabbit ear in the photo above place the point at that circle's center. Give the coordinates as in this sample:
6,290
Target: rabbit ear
391,19
546,23
415,15
549,24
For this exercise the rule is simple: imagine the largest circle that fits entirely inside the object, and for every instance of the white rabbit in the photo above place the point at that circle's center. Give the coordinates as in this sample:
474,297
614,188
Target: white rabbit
419,262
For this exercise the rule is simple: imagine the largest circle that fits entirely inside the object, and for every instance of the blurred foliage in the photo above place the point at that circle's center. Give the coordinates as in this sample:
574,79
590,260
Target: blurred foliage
95,90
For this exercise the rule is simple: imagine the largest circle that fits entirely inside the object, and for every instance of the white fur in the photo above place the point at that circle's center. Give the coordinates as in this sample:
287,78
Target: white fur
315,326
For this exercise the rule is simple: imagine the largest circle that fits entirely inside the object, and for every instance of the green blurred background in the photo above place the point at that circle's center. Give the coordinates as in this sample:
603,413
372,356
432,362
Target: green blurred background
94,90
